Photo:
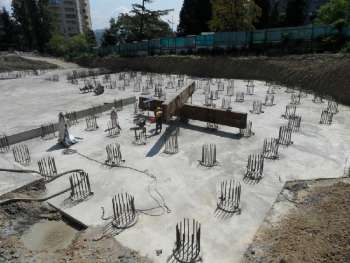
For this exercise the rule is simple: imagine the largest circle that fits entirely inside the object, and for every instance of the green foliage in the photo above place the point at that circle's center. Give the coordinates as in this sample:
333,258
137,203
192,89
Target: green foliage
264,19
34,21
91,38
141,23
10,37
296,12
336,12
75,46
234,15
346,48
57,45
194,17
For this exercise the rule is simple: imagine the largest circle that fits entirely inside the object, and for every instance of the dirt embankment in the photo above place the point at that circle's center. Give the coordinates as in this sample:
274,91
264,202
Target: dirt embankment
35,232
324,74
315,229
16,63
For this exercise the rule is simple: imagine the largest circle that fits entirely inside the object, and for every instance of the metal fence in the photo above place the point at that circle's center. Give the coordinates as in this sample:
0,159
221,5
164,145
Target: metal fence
225,40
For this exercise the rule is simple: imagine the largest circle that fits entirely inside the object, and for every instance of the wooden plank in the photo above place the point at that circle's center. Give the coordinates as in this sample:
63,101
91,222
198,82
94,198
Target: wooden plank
151,105
219,116
173,107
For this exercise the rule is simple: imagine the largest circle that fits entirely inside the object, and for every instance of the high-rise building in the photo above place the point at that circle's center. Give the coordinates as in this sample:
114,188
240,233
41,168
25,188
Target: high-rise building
71,17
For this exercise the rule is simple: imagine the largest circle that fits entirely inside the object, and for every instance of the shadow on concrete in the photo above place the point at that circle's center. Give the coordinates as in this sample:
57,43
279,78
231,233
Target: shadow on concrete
160,142
229,135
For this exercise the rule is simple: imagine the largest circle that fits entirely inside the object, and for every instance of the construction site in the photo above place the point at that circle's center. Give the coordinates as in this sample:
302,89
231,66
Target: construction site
231,170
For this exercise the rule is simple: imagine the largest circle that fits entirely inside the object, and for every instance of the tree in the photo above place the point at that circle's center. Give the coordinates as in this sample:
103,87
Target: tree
334,12
264,19
137,25
57,45
194,17
144,18
91,38
296,12
234,15
34,21
10,37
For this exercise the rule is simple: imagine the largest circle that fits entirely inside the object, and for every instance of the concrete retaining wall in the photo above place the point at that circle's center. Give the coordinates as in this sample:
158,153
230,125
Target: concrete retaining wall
34,133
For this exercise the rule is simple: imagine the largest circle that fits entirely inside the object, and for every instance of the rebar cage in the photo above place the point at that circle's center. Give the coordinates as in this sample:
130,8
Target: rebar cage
270,148
247,132
21,154
326,117
229,197
113,128
140,136
250,87
317,99
285,136
47,167
332,107
114,155
124,212
188,241
91,123
257,107
255,167
172,144
208,155
295,99
294,123
290,111
80,186
71,118
240,97
4,144
269,100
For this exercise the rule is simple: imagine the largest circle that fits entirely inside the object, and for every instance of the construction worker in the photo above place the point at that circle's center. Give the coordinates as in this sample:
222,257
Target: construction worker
158,115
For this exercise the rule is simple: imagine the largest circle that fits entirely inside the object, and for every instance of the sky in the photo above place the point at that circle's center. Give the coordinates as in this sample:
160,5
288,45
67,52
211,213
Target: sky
103,10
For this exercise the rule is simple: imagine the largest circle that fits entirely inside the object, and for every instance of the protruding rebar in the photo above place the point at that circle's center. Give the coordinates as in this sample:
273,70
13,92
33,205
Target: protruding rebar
240,97
47,167
21,154
114,155
208,155
247,132
294,123
250,87
4,144
295,99
255,167
80,186
269,100
257,107
332,107
285,136
270,148
229,197
124,211
326,117
290,111
188,241
91,123
140,136
172,144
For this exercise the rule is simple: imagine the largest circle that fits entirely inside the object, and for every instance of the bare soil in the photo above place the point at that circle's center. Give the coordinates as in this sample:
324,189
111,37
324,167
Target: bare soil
12,62
326,74
18,220
316,229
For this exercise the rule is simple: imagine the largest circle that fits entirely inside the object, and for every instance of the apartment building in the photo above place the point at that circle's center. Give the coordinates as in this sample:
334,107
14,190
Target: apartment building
71,17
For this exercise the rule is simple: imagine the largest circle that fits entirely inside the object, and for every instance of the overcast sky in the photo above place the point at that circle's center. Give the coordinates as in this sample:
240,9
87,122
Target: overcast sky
103,10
